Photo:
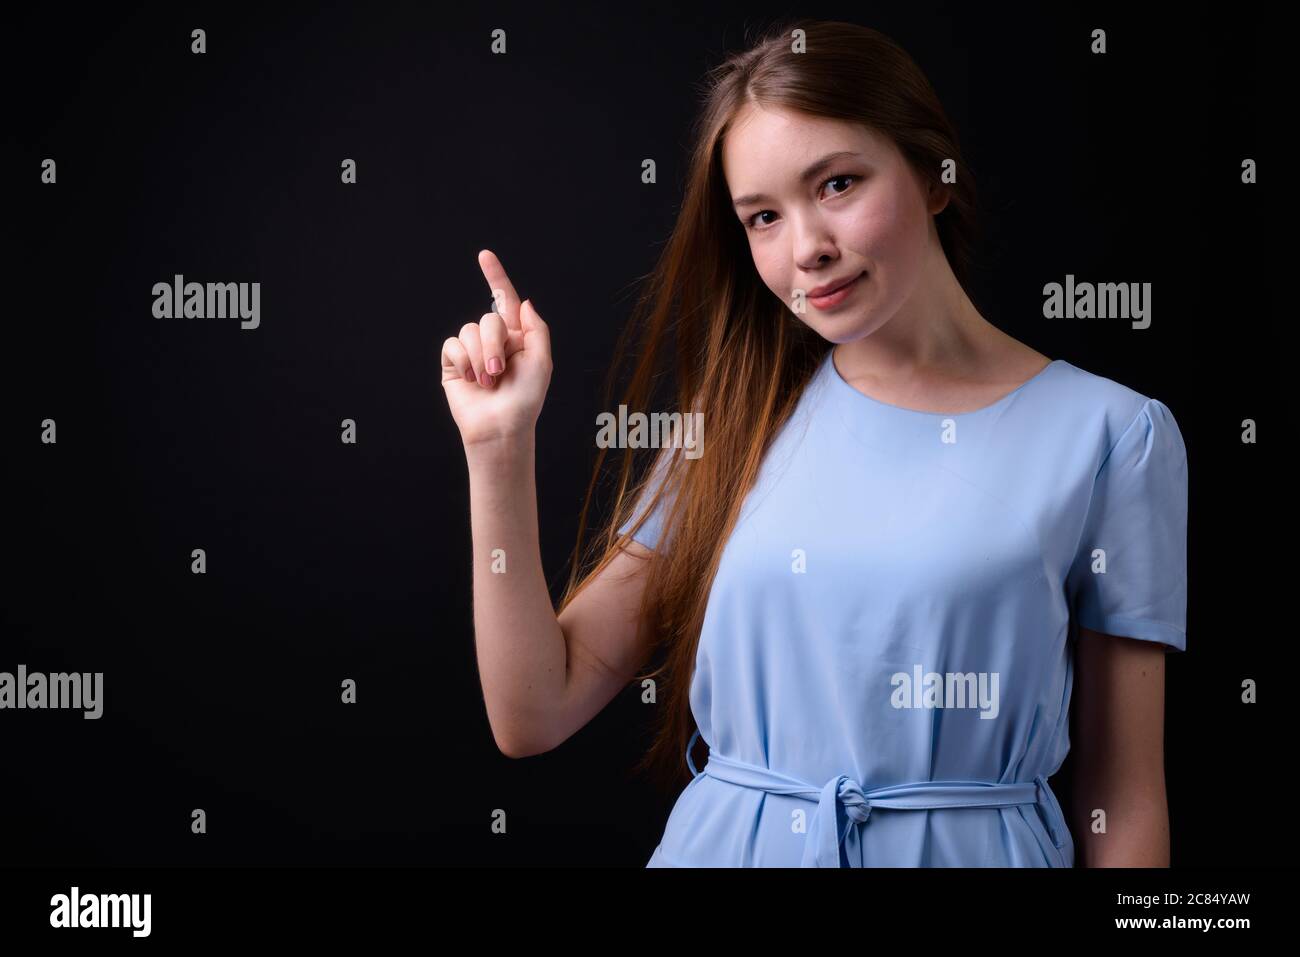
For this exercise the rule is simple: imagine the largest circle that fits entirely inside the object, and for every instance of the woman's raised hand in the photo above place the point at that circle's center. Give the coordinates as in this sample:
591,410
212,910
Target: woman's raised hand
497,370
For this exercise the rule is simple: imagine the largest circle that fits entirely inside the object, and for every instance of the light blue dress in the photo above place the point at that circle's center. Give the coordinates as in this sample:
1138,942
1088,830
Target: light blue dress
884,672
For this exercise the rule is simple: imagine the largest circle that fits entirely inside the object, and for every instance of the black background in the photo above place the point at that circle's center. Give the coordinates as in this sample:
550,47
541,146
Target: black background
328,561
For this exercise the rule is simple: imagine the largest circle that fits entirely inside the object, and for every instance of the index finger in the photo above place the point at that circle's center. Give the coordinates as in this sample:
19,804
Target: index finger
503,291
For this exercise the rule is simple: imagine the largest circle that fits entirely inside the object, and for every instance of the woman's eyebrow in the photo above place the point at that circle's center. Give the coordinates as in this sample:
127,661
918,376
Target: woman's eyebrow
817,167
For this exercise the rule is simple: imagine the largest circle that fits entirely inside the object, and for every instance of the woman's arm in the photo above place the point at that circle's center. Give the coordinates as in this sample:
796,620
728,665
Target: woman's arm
544,677
520,647
1119,694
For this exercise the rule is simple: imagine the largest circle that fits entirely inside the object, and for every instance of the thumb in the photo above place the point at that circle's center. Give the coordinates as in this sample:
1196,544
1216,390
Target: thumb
537,336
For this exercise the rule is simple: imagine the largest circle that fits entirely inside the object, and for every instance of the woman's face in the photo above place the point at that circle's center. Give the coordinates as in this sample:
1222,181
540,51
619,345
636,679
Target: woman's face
864,214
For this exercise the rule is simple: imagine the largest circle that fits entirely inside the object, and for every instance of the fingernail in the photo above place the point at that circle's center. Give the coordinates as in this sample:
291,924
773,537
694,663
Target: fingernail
494,365
484,380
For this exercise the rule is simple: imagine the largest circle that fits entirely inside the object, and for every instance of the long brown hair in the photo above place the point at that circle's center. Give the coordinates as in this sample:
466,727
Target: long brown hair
742,357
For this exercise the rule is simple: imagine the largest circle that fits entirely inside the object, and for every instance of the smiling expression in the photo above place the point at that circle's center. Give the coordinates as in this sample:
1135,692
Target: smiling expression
821,202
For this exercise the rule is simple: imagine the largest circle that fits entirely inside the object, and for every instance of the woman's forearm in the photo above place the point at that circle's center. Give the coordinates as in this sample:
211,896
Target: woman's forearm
520,646
1137,828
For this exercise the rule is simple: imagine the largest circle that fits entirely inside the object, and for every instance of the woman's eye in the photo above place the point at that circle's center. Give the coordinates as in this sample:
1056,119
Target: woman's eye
751,222
835,179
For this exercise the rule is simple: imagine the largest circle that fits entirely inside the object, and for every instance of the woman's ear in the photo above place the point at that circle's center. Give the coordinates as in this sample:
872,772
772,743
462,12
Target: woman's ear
938,200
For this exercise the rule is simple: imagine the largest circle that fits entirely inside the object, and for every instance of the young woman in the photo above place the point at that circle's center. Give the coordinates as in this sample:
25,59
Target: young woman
909,536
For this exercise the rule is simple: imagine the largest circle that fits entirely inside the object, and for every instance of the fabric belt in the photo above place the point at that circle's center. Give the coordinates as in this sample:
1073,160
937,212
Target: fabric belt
827,844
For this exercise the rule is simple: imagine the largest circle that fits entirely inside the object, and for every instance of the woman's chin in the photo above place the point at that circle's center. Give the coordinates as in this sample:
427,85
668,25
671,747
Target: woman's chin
840,328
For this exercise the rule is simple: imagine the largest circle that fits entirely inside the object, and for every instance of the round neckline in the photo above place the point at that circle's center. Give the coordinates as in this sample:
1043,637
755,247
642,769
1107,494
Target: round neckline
844,386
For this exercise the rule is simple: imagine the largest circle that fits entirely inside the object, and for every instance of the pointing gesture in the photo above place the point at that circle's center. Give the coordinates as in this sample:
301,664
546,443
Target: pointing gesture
504,296
495,373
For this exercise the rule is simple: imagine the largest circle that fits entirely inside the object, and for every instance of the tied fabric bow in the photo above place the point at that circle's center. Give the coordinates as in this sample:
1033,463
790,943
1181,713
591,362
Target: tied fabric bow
831,844
833,839
826,841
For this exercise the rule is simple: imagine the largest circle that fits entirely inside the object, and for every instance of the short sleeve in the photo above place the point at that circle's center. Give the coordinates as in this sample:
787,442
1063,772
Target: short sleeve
1129,577
650,533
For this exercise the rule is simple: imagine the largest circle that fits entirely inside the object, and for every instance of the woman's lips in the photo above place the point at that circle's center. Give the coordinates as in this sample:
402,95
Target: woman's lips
839,295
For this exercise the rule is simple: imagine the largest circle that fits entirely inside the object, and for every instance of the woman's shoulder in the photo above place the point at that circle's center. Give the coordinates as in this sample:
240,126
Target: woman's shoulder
1092,404
1097,391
